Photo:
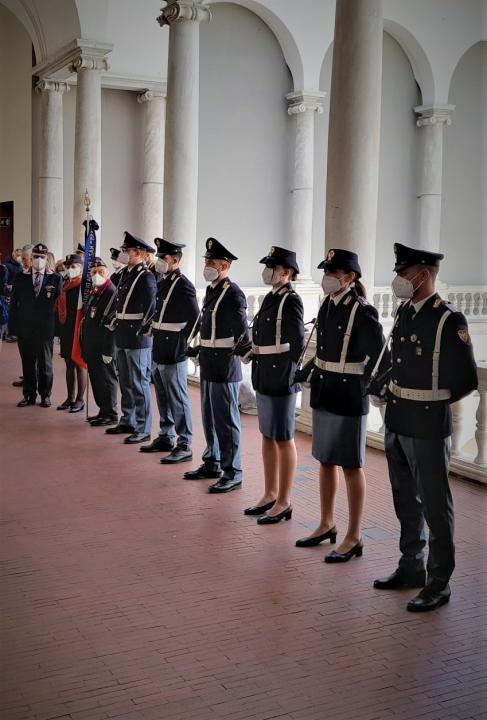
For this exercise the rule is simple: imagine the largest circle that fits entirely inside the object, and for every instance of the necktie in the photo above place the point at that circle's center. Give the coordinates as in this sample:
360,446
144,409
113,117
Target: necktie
411,312
37,283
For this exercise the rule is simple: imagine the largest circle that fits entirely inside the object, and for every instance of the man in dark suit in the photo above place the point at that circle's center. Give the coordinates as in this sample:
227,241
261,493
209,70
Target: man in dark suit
32,320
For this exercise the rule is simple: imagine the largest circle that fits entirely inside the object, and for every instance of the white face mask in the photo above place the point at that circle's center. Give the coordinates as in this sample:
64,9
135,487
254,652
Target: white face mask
162,266
210,274
18,260
39,263
123,258
403,288
331,285
267,275
64,273
98,280
74,272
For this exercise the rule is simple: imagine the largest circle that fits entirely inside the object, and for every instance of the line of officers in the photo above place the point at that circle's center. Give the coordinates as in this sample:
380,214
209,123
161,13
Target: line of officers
137,328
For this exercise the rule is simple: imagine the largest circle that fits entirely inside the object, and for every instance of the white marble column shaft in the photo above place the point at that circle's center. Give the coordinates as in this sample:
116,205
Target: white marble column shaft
432,119
354,131
154,108
182,120
50,187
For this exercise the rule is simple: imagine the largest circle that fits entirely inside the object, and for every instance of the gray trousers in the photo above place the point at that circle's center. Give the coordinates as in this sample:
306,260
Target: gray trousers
221,425
418,470
171,386
134,377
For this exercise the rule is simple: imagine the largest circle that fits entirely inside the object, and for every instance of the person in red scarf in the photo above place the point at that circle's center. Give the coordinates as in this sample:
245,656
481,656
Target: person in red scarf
66,307
98,345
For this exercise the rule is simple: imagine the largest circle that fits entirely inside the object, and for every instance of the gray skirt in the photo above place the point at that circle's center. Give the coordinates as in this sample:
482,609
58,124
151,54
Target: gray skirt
339,439
277,416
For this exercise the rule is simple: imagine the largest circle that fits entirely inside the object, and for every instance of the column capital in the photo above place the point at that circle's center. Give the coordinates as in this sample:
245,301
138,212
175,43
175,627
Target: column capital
87,61
433,114
305,100
45,85
147,95
193,10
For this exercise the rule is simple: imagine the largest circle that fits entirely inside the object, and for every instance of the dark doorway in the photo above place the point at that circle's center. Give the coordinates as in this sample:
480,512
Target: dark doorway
6,229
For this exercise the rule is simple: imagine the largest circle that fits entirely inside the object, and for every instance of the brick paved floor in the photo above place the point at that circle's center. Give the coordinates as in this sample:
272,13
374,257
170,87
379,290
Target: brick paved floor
131,594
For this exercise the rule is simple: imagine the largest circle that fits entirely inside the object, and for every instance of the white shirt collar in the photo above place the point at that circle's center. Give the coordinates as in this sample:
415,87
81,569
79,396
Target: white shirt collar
418,305
336,298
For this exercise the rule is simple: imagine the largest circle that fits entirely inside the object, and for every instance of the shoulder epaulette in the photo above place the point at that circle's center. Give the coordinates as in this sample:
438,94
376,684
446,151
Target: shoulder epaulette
226,284
444,305
362,300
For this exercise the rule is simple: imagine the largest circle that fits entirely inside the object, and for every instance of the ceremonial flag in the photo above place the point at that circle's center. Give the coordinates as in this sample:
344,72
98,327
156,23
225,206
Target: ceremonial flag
91,226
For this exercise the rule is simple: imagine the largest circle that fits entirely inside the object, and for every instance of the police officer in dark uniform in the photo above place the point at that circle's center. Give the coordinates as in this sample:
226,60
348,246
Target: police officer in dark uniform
432,366
173,321
32,318
134,307
223,336
98,345
119,262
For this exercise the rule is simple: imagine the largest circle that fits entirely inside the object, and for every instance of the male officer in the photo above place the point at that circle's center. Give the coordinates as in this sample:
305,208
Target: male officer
32,320
175,315
432,366
134,306
223,335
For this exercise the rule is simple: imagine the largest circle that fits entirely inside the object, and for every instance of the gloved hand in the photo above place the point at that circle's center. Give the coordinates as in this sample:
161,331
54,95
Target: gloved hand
107,359
247,358
192,352
302,375
377,401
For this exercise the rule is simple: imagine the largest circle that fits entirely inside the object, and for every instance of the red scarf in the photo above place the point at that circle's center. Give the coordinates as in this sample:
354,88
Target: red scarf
60,304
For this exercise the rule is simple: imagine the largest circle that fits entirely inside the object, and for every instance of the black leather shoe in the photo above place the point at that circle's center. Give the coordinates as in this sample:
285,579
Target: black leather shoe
259,509
202,473
429,598
103,421
224,485
65,405
77,406
26,401
178,455
90,418
18,383
399,580
160,444
336,557
330,534
120,429
45,402
273,519
136,437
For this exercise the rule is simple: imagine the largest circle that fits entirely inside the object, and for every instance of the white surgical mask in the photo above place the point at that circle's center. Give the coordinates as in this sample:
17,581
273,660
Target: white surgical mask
64,273
39,263
331,285
267,275
18,260
98,280
74,272
210,274
123,258
403,288
162,266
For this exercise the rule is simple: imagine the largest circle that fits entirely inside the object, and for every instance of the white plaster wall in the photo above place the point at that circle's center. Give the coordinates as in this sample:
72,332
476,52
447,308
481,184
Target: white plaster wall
464,211
16,122
244,142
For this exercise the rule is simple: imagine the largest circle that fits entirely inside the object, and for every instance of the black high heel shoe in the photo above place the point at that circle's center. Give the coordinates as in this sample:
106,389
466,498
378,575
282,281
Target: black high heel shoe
259,509
273,519
330,534
336,557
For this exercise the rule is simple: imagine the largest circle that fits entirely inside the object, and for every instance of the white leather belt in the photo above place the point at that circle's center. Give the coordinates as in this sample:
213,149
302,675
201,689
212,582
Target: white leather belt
420,395
130,316
218,343
171,327
270,349
356,368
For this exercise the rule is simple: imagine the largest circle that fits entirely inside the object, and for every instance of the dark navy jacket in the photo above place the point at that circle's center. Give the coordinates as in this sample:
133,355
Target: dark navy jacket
413,342
128,332
273,374
222,364
345,394
116,275
96,338
13,269
169,346
31,316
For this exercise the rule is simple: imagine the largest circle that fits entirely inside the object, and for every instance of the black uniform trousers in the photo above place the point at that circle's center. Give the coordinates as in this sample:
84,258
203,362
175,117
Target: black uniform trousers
418,470
36,356
104,384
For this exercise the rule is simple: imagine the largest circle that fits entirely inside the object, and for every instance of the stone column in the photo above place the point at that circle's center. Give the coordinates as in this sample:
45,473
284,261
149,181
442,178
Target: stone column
302,106
87,145
354,131
51,165
154,107
432,119
182,118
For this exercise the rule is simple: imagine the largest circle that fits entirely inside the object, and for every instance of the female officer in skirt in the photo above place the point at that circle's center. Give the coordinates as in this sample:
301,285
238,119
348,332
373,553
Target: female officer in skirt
348,342
277,342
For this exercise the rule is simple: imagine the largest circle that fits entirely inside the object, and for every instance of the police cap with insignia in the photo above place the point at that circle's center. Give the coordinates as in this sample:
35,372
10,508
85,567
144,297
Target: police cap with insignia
98,262
73,260
280,256
216,251
114,253
339,259
164,247
40,249
407,257
132,242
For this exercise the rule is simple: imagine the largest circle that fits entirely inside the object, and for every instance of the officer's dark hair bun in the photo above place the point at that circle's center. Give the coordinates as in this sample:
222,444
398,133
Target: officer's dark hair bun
360,288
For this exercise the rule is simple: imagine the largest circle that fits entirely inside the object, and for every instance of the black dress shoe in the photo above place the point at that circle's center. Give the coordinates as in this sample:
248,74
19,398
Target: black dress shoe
259,509
136,437
399,580
120,429
45,402
26,401
273,519
90,418
202,473
65,405
336,557
77,406
178,455
330,534
160,444
18,383
102,421
225,485
429,598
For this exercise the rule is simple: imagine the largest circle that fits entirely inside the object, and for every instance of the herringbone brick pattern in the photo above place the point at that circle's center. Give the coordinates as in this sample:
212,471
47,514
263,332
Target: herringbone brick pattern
131,594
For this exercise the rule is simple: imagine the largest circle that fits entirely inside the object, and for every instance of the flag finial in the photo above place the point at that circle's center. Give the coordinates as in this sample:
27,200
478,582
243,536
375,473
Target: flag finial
87,201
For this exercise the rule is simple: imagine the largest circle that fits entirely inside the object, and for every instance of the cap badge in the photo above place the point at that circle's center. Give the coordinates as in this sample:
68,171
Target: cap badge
331,255
464,336
272,250
210,244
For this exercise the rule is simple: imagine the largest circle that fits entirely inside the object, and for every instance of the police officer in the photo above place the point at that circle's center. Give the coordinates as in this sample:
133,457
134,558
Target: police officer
432,366
81,249
134,306
119,262
98,345
223,336
174,318
277,342
32,318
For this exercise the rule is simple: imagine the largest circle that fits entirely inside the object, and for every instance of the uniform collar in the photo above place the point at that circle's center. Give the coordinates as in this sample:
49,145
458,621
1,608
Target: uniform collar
281,289
338,298
418,305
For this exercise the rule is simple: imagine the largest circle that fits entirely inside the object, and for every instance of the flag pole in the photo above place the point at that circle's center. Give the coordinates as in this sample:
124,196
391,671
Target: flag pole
87,201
